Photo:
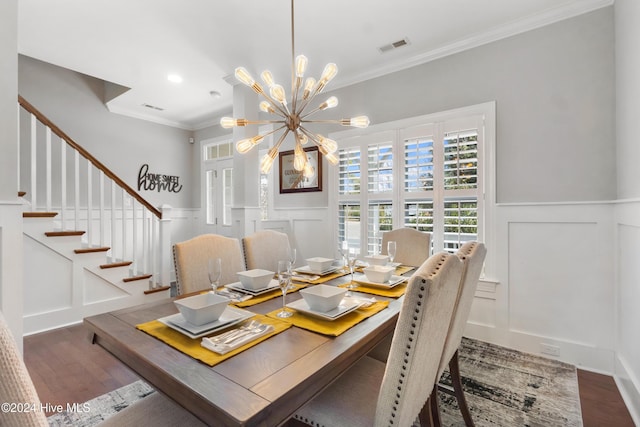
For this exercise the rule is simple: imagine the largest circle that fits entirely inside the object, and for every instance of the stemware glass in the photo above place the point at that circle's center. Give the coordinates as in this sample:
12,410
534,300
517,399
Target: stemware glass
291,252
284,280
215,270
391,250
352,259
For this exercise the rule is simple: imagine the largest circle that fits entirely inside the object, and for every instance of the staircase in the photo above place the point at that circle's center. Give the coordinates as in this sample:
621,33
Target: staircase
91,243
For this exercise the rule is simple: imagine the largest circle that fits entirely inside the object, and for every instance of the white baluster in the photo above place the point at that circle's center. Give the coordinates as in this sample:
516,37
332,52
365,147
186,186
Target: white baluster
48,168
134,241
101,219
33,164
89,203
63,182
154,251
124,224
76,183
113,222
145,240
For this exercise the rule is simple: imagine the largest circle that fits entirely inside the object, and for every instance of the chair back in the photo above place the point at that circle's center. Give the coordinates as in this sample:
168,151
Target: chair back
16,385
472,254
191,259
263,249
418,340
412,246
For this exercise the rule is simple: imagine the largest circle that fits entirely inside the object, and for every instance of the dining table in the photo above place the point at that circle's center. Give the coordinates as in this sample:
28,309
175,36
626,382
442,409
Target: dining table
263,385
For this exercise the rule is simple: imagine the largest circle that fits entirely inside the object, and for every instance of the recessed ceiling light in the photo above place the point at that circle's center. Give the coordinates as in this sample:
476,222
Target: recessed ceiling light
174,78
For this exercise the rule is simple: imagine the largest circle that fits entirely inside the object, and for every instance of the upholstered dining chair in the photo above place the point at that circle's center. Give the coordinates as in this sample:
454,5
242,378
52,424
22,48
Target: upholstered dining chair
16,386
191,259
374,394
472,254
412,246
263,249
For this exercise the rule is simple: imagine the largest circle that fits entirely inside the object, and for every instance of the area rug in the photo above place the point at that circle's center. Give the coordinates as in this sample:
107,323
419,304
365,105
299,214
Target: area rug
504,388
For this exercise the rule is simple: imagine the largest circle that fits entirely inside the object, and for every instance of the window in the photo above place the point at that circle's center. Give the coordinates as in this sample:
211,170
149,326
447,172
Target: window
436,161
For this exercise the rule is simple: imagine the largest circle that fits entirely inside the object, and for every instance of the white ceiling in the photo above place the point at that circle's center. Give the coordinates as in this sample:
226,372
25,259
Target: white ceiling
137,43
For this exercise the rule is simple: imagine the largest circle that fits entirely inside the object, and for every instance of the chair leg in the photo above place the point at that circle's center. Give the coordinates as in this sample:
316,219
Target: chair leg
456,381
430,414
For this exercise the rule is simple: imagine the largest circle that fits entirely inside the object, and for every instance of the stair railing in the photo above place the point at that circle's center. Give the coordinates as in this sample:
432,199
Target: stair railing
142,242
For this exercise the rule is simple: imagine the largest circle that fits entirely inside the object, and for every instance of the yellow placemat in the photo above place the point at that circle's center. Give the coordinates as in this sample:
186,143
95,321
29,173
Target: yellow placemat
323,279
192,347
270,295
395,292
332,327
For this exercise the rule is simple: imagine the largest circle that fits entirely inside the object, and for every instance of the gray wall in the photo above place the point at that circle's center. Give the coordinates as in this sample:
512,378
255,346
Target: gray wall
74,102
554,93
8,99
554,90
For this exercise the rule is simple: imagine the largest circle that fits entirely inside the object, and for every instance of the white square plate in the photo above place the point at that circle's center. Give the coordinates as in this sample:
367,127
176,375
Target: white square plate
342,309
237,286
394,281
307,270
229,317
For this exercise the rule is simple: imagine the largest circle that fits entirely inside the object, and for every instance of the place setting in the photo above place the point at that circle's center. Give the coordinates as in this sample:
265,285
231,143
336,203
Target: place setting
318,270
327,309
208,329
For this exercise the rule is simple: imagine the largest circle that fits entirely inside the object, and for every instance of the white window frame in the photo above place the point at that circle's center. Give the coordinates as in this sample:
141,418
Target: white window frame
441,123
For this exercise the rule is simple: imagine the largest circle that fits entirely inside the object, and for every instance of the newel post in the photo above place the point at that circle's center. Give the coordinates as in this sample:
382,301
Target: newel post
166,257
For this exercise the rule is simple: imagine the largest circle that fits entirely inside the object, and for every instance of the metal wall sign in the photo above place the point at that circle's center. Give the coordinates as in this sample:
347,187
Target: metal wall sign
156,181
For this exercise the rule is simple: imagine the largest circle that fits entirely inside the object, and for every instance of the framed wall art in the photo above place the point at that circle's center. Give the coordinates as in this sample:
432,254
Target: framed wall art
293,181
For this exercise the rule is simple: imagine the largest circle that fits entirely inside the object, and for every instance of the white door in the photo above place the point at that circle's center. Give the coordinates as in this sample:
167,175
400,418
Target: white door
218,196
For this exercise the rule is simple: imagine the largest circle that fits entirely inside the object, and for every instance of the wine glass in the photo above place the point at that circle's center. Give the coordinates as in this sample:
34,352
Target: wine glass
215,270
291,252
352,259
284,279
391,250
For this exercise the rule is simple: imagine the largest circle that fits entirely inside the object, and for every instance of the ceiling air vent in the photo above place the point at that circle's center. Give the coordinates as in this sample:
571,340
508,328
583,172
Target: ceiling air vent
153,107
394,45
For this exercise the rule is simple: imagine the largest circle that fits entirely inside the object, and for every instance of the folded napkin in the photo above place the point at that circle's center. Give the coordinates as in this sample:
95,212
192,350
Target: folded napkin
316,280
295,287
222,348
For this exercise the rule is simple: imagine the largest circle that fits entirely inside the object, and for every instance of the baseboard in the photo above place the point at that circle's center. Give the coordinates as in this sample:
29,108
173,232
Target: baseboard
581,355
629,387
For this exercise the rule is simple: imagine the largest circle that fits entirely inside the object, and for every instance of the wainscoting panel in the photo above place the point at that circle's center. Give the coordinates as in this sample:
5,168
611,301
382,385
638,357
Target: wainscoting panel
628,303
48,277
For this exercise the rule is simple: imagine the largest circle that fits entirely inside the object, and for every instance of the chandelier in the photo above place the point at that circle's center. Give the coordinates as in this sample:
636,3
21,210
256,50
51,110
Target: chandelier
294,115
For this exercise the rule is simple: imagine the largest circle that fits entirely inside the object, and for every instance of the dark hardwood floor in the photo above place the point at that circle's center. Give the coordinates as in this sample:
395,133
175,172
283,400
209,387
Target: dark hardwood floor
67,368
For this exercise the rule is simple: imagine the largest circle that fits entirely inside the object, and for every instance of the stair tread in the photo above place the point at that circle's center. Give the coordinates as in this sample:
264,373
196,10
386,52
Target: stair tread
160,289
141,277
116,264
22,193
63,233
91,250
39,214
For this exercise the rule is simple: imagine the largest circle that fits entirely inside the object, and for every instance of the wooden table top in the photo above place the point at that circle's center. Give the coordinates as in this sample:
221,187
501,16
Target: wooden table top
262,386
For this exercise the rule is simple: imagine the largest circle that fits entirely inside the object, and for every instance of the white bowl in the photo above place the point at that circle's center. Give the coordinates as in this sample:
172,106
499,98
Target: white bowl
319,264
255,279
378,273
203,308
377,259
323,298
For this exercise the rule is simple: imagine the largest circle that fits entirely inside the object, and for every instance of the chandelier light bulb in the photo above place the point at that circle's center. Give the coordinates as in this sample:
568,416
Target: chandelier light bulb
244,145
230,122
301,65
358,122
330,71
267,78
302,138
329,144
309,84
266,107
243,75
308,170
329,103
278,93
299,158
266,163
